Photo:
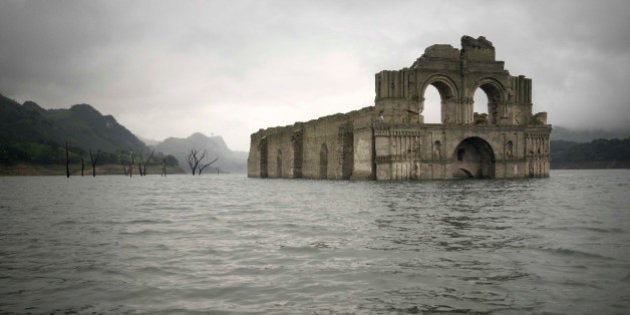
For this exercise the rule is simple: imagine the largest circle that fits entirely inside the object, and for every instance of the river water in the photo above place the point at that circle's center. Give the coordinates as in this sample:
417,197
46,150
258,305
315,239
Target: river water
227,243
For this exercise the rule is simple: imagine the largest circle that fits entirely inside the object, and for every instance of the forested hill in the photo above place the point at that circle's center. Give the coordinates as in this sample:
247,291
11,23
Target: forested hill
81,125
32,135
601,153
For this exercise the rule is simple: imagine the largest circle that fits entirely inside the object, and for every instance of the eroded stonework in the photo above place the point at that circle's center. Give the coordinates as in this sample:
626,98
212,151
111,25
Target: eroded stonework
390,141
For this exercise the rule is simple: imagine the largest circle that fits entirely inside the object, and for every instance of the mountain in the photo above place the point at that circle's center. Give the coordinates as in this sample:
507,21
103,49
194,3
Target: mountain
81,126
600,153
229,161
584,149
565,134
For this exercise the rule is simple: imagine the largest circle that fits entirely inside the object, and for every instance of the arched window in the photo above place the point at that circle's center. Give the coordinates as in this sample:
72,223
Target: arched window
432,106
486,104
437,98
480,107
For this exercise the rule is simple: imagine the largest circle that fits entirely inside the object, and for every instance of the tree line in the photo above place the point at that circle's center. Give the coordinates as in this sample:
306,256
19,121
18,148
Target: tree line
51,153
606,153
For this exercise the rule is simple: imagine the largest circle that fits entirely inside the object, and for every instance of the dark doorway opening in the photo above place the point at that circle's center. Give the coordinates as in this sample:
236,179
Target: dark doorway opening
474,159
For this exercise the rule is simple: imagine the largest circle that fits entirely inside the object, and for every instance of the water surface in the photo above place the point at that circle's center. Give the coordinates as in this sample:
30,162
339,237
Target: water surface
226,243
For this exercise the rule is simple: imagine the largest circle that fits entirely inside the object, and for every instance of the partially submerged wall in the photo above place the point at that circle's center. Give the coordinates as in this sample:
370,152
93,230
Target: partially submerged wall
321,148
390,141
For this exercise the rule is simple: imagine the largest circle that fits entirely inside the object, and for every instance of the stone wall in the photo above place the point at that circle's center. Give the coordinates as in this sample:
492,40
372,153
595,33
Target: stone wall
431,151
321,148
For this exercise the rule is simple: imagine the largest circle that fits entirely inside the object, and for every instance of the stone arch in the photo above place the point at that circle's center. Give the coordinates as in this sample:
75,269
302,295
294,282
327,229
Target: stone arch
323,161
474,158
496,94
279,163
448,96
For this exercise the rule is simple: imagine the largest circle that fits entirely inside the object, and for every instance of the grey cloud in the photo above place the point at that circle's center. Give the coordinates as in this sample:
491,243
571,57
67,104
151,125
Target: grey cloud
242,61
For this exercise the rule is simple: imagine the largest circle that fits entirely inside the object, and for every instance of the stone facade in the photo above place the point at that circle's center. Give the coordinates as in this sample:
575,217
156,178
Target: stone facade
390,141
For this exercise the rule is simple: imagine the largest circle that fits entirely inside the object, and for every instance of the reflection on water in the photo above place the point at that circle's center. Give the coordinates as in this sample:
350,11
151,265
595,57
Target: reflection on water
227,243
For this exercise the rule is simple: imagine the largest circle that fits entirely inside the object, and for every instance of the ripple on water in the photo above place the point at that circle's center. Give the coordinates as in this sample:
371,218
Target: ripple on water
231,244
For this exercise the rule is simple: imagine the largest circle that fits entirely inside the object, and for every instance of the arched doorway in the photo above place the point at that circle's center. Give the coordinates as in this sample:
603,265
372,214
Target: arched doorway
323,161
474,158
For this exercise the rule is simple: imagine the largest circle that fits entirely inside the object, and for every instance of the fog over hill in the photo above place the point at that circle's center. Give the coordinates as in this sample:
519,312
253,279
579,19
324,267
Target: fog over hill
215,147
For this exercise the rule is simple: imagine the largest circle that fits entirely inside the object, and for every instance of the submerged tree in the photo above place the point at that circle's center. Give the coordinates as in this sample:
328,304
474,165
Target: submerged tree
163,167
131,162
195,161
203,167
142,164
127,165
67,160
93,160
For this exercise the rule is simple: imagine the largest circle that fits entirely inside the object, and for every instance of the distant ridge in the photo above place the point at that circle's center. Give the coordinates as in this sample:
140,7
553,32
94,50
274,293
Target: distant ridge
582,136
229,161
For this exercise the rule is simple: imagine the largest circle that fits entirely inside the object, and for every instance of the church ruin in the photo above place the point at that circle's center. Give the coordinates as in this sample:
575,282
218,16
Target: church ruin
390,141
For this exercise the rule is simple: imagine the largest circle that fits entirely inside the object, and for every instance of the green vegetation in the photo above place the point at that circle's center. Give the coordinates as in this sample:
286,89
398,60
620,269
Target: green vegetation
32,141
601,153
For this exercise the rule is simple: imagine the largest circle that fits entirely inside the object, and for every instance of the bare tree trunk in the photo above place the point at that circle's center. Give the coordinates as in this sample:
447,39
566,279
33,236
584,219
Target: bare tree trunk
145,162
131,166
67,161
93,160
194,161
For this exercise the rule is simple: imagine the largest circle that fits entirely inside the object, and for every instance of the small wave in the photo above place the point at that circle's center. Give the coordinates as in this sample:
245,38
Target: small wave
583,228
320,244
304,249
572,252
498,277
148,221
140,221
150,232
66,222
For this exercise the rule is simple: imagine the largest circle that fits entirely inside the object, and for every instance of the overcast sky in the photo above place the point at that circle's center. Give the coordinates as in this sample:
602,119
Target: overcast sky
229,68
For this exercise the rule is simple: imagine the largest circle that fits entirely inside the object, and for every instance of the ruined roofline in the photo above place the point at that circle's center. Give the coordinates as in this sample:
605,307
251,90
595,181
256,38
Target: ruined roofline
333,117
479,49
